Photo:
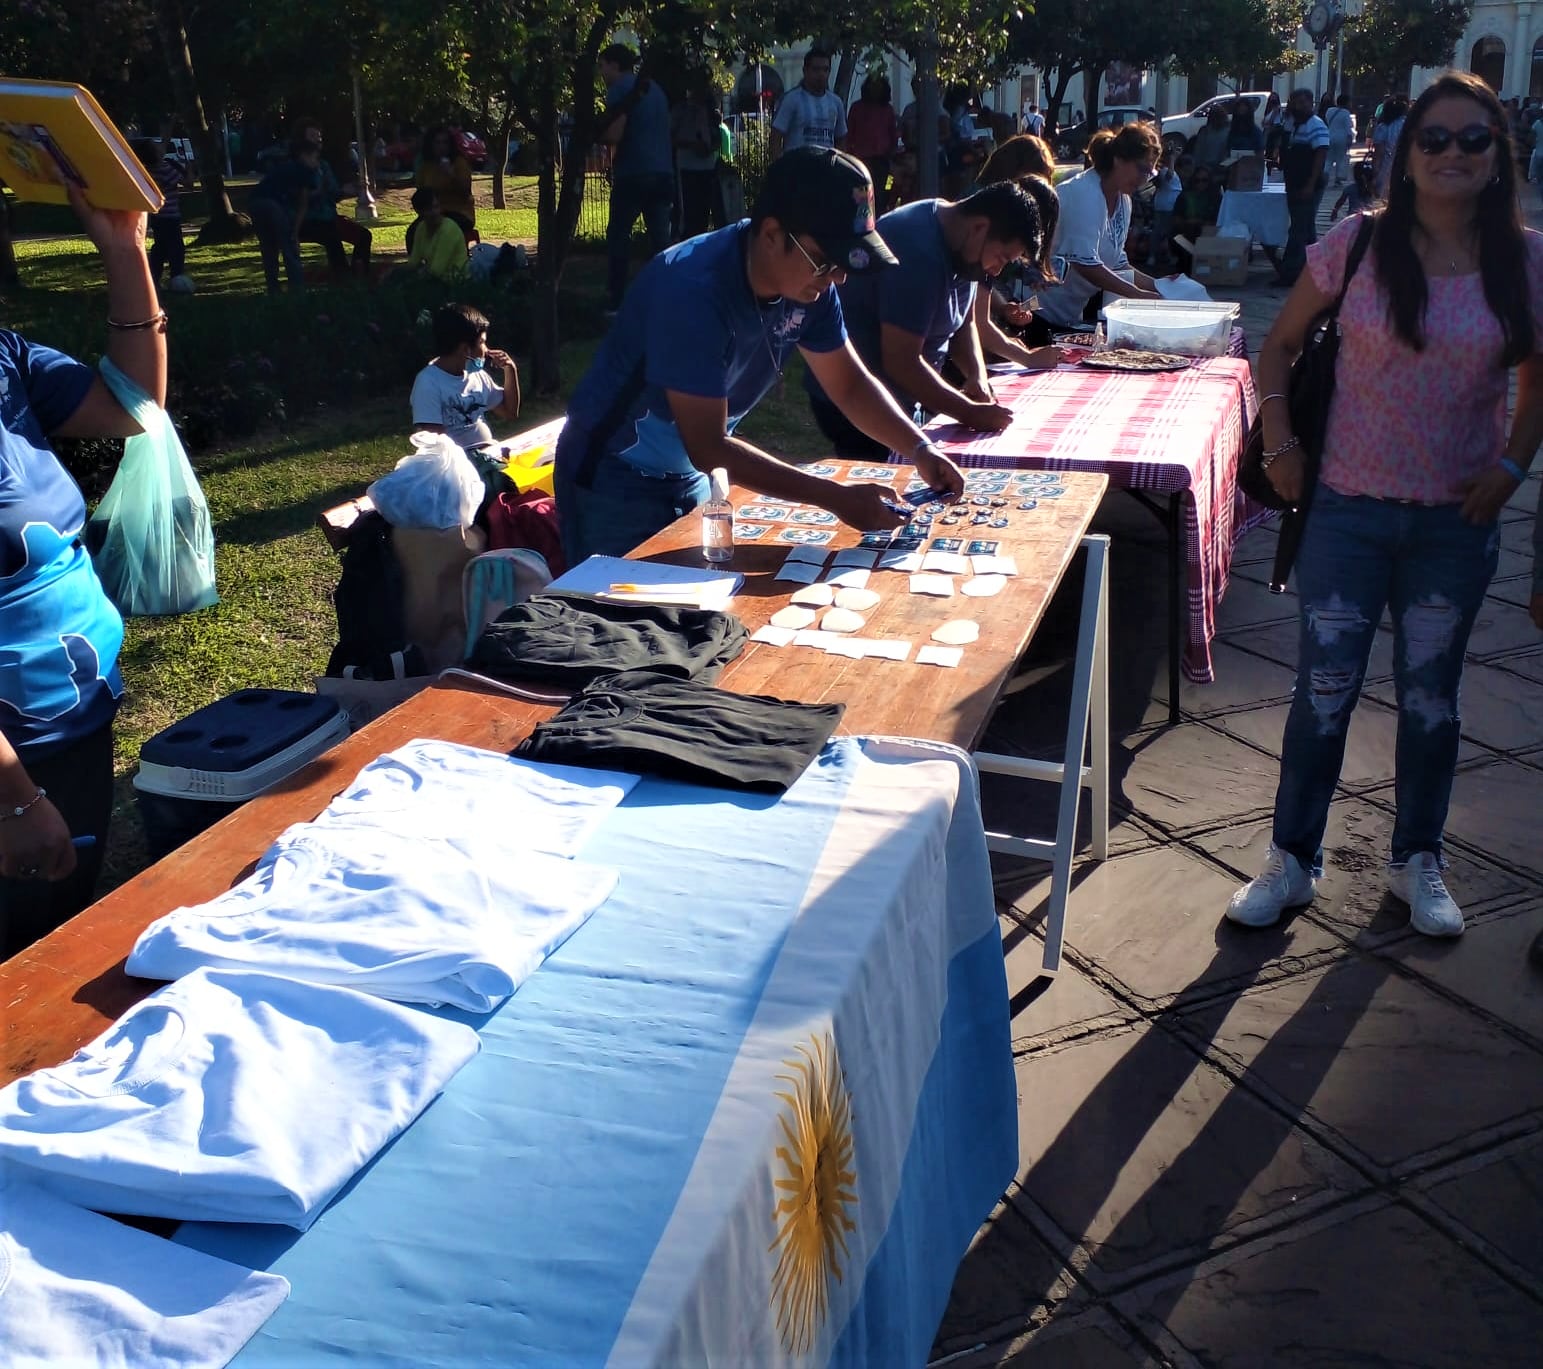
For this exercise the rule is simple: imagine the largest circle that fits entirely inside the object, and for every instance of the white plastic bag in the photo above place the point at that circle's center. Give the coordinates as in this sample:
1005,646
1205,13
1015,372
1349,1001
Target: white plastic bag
435,487
1182,288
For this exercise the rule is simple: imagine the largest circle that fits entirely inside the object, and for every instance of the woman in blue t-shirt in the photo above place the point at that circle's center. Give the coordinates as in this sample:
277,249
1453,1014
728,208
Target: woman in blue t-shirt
59,635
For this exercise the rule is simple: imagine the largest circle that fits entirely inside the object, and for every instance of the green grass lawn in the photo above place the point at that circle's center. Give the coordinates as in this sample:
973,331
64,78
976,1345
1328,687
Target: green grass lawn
58,264
274,624
52,259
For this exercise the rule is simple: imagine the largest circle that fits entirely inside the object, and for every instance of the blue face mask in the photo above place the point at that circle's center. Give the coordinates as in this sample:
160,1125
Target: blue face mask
476,363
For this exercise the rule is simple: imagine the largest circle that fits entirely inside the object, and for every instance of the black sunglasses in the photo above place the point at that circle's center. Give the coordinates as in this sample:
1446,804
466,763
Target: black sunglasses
1433,140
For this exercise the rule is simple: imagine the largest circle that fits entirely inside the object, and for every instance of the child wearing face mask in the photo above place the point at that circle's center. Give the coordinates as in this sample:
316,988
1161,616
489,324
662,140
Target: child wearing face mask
455,394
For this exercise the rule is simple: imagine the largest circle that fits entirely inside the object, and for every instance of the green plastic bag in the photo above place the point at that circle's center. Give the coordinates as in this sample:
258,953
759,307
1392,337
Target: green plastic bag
150,538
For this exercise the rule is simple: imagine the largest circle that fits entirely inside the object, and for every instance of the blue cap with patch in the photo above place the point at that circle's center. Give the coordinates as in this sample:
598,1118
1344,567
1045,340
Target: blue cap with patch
827,194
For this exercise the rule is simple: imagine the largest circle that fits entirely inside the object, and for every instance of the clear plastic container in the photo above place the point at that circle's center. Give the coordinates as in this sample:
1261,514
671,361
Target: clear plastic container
1186,328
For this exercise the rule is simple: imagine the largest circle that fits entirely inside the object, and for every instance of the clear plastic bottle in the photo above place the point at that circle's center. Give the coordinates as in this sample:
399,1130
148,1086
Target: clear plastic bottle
718,521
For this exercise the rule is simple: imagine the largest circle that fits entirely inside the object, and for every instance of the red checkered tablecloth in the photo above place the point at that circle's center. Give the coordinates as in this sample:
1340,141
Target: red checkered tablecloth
1172,432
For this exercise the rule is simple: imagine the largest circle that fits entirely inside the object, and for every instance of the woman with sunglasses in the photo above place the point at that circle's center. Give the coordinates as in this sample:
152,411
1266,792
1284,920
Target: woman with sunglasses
1094,224
1416,466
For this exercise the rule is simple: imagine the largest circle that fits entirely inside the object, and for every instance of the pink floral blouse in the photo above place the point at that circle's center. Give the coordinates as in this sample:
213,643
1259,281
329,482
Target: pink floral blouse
1406,424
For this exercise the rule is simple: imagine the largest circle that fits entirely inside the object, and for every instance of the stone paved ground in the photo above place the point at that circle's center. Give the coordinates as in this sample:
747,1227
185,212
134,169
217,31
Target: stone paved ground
1320,1144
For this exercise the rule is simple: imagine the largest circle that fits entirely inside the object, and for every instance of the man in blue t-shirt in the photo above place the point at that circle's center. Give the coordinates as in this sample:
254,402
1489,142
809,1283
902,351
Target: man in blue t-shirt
907,322
637,126
704,332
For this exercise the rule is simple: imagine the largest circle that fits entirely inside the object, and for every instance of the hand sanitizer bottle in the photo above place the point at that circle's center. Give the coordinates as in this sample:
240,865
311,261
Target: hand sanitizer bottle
718,521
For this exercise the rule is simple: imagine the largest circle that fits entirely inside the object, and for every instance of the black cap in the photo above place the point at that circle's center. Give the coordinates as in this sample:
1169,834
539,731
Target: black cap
828,195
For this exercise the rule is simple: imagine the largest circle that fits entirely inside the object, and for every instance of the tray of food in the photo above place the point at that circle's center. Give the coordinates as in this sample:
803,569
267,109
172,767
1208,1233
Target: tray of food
1129,359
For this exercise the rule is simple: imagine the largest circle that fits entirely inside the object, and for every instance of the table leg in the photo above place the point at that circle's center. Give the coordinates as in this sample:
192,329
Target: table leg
1176,575
1171,516
1089,712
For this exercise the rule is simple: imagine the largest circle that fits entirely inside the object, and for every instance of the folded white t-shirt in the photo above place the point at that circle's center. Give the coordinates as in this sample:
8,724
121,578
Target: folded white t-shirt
420,920
79,1289
230,1097
430,788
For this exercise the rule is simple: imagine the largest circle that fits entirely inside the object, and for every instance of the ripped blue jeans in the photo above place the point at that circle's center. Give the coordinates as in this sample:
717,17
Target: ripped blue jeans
1430,569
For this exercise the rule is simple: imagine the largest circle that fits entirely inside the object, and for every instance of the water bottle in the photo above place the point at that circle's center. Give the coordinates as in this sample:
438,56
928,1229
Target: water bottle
718,521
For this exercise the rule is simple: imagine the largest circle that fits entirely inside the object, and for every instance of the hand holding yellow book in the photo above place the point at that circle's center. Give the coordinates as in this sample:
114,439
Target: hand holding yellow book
53,132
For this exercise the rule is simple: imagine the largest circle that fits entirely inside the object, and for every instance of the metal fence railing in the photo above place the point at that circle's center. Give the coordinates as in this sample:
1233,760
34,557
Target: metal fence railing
751,158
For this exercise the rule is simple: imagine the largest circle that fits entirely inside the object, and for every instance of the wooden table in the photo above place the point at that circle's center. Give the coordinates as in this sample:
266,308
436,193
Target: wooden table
892,698
67,988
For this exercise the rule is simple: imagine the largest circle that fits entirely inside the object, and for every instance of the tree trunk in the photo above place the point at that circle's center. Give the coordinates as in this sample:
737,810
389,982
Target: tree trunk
546,373
1063,80
224,224
841,86
926,59
501,142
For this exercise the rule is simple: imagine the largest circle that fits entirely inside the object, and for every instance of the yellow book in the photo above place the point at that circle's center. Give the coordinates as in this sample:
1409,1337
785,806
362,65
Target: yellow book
52,132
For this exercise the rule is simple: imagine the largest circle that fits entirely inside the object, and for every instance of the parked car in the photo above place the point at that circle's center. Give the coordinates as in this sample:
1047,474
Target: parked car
1070,143
1178,129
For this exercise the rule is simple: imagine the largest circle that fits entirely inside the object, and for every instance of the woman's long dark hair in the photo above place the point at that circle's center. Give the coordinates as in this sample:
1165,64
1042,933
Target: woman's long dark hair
1502,240
1042,192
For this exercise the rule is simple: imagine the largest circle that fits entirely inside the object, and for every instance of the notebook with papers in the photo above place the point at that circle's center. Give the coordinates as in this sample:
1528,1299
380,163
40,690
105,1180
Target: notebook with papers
650,582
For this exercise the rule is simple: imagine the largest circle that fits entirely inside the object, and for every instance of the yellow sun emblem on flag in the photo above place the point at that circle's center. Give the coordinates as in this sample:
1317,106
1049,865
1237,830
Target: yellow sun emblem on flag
814,1193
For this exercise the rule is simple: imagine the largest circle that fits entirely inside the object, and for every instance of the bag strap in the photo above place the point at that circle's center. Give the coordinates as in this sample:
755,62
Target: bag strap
1358,248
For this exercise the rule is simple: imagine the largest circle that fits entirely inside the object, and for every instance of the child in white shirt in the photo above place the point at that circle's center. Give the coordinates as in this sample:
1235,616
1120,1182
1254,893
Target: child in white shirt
453,394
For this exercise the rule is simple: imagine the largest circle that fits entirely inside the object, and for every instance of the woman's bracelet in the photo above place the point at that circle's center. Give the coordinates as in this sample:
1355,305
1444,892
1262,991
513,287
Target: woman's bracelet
1268,458
156,321
1512,469
20,810
1268,398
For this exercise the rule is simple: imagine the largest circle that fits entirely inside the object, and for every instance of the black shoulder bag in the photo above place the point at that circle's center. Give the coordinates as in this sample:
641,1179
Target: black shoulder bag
1309,392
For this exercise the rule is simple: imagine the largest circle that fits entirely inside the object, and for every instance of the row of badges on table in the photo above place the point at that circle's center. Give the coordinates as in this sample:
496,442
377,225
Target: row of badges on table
991,496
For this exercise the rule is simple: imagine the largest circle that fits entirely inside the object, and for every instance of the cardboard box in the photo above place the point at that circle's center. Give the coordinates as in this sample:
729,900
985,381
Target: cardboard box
1217,260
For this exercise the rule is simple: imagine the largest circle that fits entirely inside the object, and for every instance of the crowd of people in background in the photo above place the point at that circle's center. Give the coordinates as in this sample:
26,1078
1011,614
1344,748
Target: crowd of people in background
668,157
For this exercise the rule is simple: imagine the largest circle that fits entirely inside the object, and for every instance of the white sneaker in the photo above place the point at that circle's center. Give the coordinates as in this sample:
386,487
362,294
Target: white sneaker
1432,910
1284,883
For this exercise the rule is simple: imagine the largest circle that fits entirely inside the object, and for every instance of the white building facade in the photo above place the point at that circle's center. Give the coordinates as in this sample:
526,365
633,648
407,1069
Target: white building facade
1504,45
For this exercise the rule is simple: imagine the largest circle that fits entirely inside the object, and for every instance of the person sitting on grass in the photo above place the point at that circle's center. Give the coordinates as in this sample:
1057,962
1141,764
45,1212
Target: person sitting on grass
438,245
454,394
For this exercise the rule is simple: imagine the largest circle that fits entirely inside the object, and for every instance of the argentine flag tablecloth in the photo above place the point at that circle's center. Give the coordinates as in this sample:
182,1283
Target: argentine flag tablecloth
751,1113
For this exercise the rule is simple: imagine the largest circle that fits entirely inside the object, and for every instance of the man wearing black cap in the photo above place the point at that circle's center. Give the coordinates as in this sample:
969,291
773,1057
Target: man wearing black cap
906,323
702,335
